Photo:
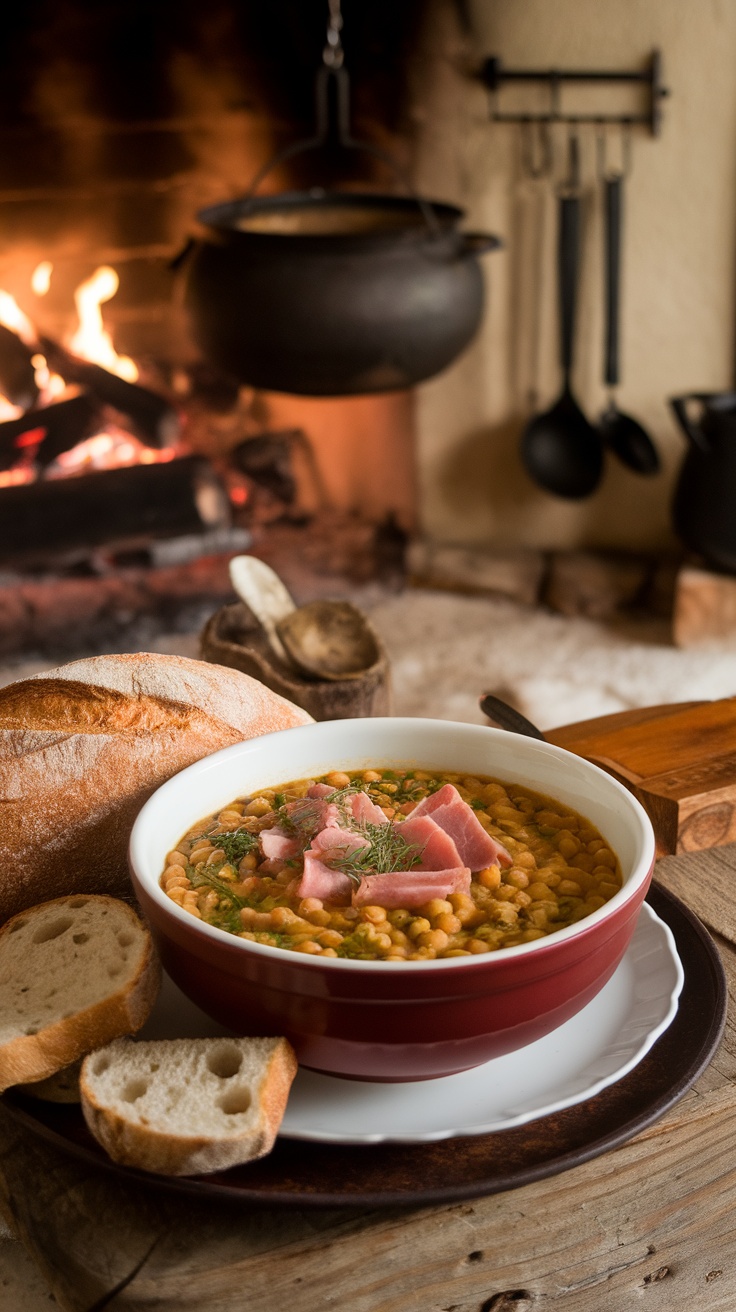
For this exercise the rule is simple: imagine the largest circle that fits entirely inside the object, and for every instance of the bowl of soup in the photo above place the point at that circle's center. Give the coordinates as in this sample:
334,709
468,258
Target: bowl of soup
402,898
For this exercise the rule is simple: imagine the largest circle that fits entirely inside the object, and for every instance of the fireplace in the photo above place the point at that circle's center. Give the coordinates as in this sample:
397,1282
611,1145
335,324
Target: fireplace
119,123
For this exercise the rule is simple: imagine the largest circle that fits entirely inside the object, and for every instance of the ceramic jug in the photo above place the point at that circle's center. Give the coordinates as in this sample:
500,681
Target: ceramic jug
704,505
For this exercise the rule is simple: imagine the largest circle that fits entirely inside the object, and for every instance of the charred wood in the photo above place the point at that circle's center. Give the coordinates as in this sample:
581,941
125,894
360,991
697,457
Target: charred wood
17,375
151,417
113,507
266,460
42,435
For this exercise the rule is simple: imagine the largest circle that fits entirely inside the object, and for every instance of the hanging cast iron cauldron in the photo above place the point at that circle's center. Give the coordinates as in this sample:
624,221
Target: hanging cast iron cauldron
331,294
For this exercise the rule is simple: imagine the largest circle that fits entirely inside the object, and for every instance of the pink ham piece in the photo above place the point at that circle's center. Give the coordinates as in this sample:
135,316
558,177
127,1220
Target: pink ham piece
410,888
436,849
476,847
320,879
310,814
364,811
358,805
319,790
323,882
277,845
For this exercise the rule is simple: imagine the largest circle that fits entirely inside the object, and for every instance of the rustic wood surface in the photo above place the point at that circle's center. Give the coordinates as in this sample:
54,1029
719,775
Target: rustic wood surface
651,1220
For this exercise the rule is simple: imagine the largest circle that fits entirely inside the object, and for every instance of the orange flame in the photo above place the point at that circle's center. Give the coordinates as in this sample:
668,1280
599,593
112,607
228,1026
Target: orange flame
92,340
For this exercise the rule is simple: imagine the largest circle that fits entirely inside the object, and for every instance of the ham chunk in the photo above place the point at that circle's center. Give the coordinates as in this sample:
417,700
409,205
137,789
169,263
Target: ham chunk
320,878
435,847
364,811
337,841
476,847
319,790
310,814
410,888
277,845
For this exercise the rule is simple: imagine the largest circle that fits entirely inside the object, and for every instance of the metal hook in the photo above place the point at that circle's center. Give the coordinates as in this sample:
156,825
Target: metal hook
536,147
333,54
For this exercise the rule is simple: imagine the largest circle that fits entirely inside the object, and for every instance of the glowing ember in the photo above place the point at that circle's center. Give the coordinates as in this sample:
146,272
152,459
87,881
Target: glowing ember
92,340
112,449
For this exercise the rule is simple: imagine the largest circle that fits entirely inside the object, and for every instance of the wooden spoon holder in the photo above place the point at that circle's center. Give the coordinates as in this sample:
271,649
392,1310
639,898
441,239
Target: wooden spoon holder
234,637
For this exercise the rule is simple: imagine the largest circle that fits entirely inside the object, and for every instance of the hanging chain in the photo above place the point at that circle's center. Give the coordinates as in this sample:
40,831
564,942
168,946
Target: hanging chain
333,53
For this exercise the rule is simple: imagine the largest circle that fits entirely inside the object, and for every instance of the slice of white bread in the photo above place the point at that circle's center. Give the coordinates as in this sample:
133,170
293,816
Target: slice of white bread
74,974
187,1106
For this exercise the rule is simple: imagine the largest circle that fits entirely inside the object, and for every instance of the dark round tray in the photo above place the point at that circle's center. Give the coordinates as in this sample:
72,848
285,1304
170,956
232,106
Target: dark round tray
308,1174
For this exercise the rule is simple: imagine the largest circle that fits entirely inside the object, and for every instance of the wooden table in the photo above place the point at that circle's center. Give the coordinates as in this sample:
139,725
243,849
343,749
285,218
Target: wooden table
648,1224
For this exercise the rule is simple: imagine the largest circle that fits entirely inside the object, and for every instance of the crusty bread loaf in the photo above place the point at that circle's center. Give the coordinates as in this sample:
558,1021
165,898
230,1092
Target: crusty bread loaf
187,1106
74,974
83,746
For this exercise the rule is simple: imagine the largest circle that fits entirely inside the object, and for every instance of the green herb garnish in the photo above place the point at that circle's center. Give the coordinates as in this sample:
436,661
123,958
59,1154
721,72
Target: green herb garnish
206,877
236,845
387,852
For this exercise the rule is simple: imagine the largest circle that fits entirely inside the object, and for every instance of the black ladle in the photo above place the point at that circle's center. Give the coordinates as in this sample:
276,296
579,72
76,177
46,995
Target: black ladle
620,432
561,451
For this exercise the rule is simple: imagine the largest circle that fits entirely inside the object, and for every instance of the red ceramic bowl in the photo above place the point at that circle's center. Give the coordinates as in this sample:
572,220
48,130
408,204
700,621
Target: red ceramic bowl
392,1020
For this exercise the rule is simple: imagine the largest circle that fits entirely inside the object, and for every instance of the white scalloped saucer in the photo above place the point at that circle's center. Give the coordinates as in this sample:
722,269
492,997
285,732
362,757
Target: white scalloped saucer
589,1052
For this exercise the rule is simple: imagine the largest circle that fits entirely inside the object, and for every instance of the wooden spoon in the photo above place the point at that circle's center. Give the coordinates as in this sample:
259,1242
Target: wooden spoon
261,589
325,639
329,640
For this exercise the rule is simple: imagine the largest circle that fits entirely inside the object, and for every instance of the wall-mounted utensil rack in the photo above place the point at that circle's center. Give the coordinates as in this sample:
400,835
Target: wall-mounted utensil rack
494,74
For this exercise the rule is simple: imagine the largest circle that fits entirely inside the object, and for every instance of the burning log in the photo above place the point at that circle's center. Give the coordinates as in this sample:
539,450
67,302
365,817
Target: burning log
150,417
266,459
127,507
17,375
45,433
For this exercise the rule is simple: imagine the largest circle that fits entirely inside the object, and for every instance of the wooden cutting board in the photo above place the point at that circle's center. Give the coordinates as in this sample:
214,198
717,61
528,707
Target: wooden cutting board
679,760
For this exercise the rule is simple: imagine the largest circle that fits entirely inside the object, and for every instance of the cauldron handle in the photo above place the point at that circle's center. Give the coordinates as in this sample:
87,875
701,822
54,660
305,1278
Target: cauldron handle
332,122
475,243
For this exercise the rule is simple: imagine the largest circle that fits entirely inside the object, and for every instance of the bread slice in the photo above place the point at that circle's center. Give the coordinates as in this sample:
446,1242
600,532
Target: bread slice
187,1106
83,746
74,974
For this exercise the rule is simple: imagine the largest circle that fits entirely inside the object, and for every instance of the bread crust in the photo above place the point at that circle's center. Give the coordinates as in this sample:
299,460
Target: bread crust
83,746
148,1148
31,1057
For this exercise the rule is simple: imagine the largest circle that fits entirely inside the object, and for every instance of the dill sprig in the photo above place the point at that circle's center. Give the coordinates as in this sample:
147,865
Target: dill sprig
236,844
304,814
205,877
386,852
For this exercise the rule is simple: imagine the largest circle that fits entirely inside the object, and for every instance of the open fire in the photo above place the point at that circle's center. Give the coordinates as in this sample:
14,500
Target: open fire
56,417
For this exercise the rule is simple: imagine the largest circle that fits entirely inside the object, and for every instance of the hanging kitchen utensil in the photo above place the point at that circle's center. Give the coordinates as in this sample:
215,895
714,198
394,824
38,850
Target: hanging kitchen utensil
536,165
561,450
624,435
333,293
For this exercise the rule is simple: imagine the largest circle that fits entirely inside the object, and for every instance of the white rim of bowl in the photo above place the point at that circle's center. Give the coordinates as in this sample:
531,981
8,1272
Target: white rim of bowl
154,890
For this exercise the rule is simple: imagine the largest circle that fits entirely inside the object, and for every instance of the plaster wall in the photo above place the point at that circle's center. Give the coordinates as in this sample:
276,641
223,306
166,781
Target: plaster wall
678,278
